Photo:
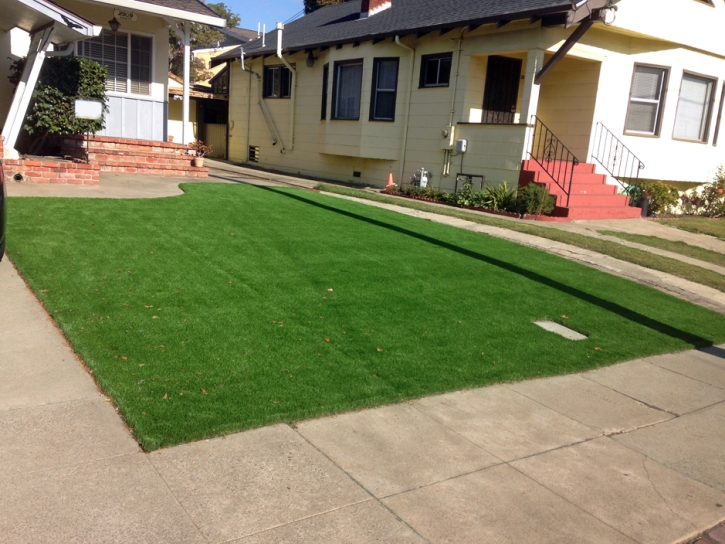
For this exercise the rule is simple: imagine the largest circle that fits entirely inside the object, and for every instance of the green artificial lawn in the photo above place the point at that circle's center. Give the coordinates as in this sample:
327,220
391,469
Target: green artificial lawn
682,248
699,225
232,306
613,249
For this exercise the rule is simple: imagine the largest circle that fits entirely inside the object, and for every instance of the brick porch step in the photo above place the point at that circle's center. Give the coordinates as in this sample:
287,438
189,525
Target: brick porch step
590,196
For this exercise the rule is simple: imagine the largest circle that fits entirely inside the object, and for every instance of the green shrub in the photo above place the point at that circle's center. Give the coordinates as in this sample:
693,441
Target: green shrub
660,196
61,81
501,197
535,199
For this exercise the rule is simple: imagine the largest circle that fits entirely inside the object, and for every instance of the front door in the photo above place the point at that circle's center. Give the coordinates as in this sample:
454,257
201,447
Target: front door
502,89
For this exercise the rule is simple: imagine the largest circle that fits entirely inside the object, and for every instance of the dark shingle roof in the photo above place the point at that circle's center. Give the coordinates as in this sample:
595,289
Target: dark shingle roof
340,23
242,34
192,6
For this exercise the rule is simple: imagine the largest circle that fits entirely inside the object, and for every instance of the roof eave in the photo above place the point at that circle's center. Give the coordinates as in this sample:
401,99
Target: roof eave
165,12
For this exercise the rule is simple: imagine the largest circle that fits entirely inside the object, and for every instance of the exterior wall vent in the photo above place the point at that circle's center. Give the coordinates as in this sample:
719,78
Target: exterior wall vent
253,153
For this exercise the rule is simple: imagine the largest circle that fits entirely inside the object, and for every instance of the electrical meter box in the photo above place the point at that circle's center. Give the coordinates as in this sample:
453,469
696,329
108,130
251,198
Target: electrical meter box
461,146
449,138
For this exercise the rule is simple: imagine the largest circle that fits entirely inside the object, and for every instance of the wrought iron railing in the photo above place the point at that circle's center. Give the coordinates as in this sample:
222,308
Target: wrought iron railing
616,158
553,156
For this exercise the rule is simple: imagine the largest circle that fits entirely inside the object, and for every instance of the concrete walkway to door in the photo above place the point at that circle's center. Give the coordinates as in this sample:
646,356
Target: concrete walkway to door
627,453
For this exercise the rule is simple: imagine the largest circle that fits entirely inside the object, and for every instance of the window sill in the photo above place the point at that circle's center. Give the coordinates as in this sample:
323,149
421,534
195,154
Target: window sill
685,140
640,134
345,119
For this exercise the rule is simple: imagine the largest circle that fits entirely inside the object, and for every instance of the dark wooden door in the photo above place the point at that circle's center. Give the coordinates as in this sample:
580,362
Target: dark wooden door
502,89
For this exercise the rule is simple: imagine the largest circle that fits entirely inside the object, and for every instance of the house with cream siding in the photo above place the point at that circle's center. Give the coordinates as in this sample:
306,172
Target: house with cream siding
567,94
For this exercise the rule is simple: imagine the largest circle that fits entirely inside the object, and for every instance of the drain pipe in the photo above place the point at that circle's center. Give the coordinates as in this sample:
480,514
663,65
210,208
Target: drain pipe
262,106
293,98
407,109
447,152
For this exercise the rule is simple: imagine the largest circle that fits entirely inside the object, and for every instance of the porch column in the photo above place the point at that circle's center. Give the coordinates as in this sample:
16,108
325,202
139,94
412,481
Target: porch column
186,134
21,99
530,98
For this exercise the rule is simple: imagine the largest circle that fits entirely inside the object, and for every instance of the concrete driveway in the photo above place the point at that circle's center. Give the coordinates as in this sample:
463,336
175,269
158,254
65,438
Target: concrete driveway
628,453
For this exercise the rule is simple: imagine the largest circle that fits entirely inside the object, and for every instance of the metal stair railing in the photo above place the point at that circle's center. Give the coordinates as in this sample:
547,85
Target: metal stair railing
553,156
616,158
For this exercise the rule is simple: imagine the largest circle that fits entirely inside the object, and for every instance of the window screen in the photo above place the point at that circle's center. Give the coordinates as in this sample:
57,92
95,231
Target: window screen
435,70
645,100
385,84
348,82
140,65
693,108
277,82
111,50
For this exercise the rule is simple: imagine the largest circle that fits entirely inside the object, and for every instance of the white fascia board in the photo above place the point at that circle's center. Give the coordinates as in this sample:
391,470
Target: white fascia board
67,18
165,12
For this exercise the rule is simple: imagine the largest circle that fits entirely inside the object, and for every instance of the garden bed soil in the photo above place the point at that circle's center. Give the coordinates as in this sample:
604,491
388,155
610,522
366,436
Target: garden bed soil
452,205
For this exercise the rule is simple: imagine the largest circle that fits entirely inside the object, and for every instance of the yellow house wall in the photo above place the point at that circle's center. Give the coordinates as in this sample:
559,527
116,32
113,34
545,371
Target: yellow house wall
592,84
176,123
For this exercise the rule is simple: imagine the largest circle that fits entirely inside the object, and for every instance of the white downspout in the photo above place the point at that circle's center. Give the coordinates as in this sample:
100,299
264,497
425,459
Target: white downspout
262,106
293,98
406,121
447,152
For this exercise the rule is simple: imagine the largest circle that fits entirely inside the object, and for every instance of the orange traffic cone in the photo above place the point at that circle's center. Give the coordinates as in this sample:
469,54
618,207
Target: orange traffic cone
390,184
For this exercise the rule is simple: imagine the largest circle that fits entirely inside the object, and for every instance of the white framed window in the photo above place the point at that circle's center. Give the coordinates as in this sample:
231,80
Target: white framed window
692,120
646,100
347,90
127,58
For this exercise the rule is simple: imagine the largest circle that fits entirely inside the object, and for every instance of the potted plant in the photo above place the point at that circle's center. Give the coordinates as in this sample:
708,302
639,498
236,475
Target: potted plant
199,150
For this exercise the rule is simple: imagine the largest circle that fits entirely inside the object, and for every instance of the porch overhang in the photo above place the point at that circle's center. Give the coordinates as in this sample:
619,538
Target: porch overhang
33,15
164,12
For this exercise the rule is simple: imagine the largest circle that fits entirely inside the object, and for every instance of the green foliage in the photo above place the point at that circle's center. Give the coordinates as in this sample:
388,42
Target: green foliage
312,5
660,196
500,197
714,195
61,81
202,37
535,199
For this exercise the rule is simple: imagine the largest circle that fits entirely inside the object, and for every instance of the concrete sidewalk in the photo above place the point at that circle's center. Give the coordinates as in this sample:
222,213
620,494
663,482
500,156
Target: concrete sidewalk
628,453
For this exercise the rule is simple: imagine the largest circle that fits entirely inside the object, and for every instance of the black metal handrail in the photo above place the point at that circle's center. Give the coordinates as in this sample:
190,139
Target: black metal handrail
616,158
553,156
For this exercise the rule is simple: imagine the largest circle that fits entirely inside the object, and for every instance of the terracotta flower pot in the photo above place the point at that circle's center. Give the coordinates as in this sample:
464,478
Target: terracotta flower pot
198,162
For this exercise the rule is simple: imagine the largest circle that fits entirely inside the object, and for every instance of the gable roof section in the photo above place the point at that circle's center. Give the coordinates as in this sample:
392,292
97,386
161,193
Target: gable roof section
31,15
341,23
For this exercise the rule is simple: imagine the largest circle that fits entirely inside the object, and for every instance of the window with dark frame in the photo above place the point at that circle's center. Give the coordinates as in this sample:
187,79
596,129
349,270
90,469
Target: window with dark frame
692,120
325,82
384,89
435,70
646,100
277,82
347,89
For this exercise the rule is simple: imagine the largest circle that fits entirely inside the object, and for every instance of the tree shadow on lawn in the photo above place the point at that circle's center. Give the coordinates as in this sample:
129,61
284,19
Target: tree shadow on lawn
626,313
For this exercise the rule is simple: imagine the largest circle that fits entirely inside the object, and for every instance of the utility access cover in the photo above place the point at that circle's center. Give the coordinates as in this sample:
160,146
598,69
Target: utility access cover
561,330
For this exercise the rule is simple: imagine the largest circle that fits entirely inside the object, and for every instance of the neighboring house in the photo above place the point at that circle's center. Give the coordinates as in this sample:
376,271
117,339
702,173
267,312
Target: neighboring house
367,85
234,37
208,112
133,42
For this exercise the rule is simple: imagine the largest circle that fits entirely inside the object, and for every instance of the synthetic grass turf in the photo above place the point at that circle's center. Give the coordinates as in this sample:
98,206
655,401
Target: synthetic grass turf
233,306
700,225
613,249
682,248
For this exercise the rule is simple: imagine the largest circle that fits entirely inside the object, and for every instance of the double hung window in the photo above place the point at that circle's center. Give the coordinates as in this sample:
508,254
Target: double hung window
384,91
435,70
692,120
325,78
127,58
646,100
346,90
277,82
